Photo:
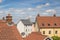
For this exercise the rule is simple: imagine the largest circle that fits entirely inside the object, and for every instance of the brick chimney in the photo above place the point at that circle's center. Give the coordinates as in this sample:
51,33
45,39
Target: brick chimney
9,18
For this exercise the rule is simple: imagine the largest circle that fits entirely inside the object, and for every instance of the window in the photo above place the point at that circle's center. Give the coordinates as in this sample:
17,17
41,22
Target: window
23,33
48,24
43,32
55,24
42,24
49,32
56,32
26,30
26,25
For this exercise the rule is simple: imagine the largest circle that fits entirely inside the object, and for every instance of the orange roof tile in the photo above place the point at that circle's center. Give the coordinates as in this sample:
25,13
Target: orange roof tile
35,36
8,32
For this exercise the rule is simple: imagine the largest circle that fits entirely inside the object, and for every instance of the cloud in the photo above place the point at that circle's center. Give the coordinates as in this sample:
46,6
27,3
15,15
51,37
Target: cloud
1,1
43,14
1,12
43,5
18,11
51,11
39,6
30,9
29,17
3,6
47,4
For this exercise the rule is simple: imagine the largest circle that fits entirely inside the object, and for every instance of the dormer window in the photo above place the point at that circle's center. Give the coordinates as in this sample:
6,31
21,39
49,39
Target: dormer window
48,24
55,24
42,24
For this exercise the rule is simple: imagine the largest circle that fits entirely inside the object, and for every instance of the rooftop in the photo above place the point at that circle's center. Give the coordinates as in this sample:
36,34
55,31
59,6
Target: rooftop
8,32
26,21
48,21
35,36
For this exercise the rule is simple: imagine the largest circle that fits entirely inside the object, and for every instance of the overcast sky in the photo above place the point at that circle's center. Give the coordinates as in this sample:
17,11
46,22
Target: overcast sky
20,9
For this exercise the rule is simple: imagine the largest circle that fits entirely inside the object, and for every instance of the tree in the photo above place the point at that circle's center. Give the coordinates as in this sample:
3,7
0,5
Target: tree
56,38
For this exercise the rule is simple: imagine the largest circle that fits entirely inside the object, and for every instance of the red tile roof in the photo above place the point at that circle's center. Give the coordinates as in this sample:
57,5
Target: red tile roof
8,32
35,36
48,20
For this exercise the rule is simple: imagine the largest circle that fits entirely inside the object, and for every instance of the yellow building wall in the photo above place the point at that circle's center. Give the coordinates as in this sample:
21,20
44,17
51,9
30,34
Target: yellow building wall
58,32
36,27
52,31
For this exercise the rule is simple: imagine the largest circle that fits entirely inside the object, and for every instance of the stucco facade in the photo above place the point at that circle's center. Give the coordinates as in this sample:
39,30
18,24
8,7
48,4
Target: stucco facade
53,30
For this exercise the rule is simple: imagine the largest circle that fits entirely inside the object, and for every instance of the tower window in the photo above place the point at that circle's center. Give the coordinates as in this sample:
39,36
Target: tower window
49,32
43,32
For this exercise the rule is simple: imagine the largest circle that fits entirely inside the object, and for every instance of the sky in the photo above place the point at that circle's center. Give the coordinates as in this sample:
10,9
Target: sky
24,9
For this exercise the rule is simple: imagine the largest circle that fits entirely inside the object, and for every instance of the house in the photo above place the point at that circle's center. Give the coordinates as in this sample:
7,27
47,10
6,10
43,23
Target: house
48,25
8,30
37,36
24,27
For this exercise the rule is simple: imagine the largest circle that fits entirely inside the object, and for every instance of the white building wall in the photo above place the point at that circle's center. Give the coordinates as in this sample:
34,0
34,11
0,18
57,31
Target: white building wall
22,28
28,30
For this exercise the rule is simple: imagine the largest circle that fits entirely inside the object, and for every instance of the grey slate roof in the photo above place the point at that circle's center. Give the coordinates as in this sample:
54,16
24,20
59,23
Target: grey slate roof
26,21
